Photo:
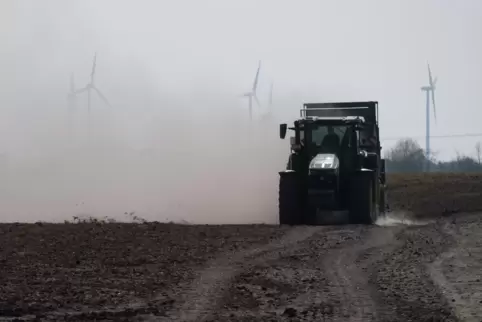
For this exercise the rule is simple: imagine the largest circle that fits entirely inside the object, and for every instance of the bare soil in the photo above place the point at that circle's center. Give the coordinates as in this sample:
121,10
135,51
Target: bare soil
437,194
93,270
169,272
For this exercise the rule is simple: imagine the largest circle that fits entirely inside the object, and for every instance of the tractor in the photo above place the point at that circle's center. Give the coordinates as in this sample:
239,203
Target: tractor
334,165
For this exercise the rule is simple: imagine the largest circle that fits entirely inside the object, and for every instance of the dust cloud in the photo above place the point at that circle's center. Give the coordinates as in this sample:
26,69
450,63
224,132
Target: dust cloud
217,168
176,143
396,218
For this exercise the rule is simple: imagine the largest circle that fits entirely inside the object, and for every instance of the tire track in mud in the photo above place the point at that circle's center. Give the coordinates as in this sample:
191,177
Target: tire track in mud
346,269
324,280
199,298
457,271
402,280
322,273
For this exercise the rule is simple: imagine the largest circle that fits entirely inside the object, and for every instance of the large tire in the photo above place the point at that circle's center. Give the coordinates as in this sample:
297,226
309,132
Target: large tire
362,202
309,215
289,198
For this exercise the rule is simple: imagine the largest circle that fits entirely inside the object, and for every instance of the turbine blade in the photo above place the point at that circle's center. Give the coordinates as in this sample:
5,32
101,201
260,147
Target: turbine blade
433,103
255,84
102,96
257,101
434,82
94,65
430,80
79,91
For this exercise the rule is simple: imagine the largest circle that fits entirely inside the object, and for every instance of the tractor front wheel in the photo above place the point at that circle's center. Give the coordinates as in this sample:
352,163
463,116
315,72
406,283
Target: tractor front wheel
289,198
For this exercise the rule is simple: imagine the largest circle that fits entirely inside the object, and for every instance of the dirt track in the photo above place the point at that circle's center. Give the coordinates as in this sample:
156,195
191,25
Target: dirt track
165,272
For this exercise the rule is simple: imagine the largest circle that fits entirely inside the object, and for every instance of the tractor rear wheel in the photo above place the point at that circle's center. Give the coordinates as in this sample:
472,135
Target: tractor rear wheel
289,198
362,202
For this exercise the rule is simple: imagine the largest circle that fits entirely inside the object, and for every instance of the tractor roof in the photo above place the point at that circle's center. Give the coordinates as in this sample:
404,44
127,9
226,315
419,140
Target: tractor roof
333,119
367,110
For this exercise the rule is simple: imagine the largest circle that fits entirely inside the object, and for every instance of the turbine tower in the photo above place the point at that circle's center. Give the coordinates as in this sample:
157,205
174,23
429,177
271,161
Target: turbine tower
430,93
252,93
90,86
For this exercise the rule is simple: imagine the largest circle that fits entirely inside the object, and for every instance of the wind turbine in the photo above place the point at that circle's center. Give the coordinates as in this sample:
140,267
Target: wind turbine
252,93
430,93
91,86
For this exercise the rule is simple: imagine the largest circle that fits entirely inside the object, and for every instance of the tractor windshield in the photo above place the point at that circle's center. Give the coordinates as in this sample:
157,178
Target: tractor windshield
322,132
324,138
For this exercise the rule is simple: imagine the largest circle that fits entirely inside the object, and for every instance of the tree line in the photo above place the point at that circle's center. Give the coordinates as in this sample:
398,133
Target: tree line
408,156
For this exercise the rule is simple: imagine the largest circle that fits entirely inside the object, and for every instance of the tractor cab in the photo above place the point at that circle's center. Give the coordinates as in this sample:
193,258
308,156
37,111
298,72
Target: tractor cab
350,140
334,150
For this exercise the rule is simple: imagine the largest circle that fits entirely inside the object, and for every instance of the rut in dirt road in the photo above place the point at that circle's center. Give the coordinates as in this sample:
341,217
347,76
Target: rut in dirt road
350,273
345,270
402,279
457,271
201,297
322,280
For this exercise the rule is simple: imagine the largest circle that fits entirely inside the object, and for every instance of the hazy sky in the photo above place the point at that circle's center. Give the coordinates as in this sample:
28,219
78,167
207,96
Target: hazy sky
312,50
173,72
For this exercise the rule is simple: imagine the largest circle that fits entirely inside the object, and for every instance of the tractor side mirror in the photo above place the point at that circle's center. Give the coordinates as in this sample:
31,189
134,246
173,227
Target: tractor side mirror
282,130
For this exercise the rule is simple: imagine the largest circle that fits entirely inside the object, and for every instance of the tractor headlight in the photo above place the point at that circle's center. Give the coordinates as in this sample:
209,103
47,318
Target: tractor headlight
324,161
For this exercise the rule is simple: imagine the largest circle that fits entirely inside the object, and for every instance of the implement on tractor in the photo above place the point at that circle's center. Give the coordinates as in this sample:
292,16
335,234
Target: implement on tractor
334,164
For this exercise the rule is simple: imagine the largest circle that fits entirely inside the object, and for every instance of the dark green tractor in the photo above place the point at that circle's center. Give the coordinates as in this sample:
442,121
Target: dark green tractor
334,164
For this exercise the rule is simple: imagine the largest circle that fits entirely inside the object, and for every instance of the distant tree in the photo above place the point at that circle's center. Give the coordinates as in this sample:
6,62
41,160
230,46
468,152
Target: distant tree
406,156
478,152
464,163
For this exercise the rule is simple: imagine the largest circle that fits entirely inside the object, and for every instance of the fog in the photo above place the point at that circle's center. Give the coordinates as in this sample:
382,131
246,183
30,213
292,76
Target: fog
183,157
176,143
190,160
180,151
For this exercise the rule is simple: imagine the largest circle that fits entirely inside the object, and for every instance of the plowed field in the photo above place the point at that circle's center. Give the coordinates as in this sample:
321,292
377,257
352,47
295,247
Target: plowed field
423,269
